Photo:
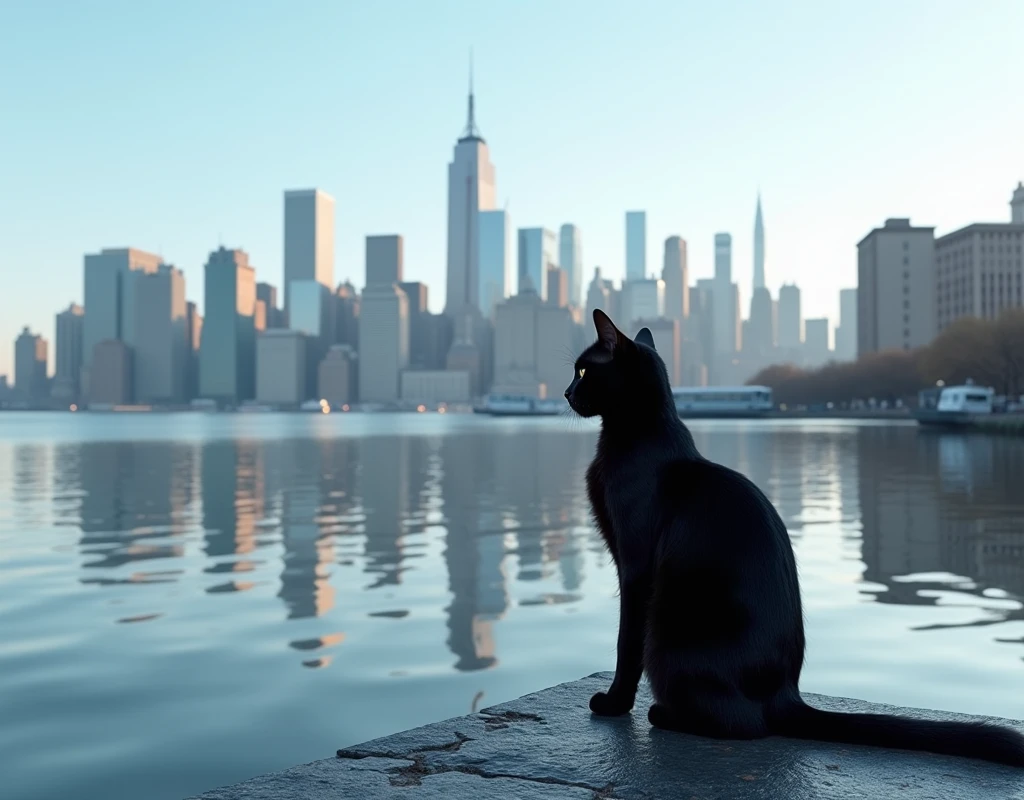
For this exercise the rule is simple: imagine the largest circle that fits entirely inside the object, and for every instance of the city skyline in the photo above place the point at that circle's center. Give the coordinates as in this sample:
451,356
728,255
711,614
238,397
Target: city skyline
161,189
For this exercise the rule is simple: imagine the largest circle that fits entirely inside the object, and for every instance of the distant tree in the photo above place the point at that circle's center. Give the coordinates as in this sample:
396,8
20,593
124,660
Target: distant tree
966,350
1009,343
990,353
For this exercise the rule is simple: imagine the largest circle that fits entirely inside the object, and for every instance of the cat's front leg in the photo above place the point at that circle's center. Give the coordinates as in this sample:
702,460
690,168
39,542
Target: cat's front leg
629,666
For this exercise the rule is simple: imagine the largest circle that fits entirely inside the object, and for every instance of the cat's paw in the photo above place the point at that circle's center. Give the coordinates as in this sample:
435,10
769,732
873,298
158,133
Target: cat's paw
610,705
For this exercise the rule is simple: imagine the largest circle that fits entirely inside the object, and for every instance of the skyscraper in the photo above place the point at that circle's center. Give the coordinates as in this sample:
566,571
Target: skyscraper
790,321
723,258
308,239
896,287
636,245
109,299
421,352
346,315
570,258
194,330
675,274
161,338
816,350
725,299
846,333
558,287
281,365
537,252
385,259
227,353
68,374
642,299
30,355
758,246
597,296
383,342
980,268
496,274
267,294
471,189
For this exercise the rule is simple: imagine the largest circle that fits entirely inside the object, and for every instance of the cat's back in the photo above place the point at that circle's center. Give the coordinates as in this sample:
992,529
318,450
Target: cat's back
707,495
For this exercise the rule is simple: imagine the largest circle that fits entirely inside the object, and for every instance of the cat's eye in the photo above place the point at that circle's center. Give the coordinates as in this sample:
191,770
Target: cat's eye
582,370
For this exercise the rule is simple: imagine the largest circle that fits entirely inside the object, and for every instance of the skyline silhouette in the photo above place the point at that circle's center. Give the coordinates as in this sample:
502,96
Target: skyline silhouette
829,116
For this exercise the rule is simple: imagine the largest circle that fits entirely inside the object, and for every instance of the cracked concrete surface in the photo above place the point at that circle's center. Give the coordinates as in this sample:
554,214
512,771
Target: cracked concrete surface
548,746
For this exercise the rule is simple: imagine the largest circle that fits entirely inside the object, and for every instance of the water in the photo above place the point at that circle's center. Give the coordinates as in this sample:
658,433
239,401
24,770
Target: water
189,600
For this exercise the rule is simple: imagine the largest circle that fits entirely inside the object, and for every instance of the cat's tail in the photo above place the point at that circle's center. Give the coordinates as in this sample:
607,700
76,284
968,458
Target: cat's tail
982,740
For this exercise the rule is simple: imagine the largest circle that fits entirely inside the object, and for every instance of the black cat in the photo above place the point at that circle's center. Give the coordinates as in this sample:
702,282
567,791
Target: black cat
709,598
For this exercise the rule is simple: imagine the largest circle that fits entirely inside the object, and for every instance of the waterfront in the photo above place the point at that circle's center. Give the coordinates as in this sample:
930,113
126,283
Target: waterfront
188,600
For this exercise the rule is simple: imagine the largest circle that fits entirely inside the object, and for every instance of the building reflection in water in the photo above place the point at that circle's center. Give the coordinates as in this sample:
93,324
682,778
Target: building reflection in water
135,498
942,512
474,551
308,552
928,514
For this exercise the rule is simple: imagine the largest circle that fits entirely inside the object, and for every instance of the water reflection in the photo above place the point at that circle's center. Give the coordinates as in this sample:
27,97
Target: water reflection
944,515
927,515
939,509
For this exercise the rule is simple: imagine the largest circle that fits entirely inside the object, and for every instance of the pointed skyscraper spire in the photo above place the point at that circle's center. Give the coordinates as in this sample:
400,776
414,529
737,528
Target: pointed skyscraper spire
758,245
471,133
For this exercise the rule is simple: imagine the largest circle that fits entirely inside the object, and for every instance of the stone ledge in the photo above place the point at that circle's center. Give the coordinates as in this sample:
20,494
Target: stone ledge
547,745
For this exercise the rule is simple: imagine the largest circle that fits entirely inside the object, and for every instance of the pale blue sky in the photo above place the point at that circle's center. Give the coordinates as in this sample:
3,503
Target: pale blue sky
173,126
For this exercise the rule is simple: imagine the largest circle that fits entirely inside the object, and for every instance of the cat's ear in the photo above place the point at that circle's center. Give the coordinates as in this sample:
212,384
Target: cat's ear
645,337
607,333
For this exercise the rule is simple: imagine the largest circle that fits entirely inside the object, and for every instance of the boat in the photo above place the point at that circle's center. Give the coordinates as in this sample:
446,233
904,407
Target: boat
954,406
519,405
725,402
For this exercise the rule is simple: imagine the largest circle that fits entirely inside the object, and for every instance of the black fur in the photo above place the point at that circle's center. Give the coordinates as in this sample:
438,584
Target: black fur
709,598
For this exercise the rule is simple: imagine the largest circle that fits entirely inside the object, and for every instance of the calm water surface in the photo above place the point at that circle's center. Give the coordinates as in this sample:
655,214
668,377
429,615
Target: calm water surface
189,600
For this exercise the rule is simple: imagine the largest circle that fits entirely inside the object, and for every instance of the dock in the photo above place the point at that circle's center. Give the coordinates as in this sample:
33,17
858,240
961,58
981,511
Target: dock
548,746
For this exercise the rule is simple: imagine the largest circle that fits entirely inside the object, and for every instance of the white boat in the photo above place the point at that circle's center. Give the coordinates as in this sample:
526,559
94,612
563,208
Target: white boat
954,405
693,402
519,405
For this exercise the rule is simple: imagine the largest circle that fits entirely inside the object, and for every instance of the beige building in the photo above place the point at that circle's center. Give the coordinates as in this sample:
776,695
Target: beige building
554,340
895,288
515,343
558,287
435,386
383,343
336,376
281,367
979,271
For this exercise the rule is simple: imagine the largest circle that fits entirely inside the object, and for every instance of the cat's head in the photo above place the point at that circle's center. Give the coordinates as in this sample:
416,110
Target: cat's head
617,375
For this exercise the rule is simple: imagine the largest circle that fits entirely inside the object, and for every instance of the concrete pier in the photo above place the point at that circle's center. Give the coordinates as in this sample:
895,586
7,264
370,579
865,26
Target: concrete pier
548,746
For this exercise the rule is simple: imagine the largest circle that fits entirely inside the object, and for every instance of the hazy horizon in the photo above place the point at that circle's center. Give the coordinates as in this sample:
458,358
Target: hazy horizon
177,128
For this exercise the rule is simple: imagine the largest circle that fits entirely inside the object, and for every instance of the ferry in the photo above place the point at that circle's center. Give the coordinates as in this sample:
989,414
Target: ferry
954,406
519,405
709,402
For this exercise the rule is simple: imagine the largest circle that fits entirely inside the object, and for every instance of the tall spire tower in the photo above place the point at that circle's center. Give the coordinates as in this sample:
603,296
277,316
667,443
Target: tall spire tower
471,189
758,246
